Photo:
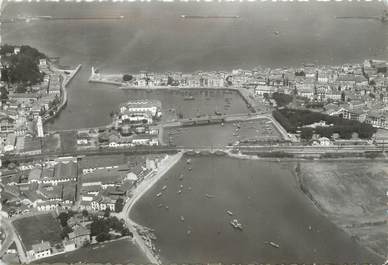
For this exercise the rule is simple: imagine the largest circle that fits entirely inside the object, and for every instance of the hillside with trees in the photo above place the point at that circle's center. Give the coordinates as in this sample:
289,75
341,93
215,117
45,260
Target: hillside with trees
21,68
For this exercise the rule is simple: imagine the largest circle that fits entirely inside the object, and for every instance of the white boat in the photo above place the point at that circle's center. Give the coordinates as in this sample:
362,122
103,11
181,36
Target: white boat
164,187
179,191
209,196
229,212
159,194
182,219
236,224
273,244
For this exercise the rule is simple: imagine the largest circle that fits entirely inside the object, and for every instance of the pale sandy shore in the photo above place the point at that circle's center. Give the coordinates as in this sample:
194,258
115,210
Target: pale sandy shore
137,193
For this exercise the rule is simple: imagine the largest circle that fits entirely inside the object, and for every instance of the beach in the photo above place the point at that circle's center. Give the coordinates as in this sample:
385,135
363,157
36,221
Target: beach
137,193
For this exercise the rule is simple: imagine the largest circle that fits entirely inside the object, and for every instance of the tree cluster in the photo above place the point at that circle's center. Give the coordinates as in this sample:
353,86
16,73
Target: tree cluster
127,77
63,218
293,120
100,228
22,67
281,99
119,204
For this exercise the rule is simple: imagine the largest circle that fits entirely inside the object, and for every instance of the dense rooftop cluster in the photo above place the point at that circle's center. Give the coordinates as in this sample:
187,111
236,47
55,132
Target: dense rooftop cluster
26,104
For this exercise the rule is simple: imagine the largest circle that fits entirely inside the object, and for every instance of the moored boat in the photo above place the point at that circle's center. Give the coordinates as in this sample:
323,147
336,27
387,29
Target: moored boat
236,224
273,244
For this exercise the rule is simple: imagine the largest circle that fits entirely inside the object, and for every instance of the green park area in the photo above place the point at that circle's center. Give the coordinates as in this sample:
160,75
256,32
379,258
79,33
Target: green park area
295,120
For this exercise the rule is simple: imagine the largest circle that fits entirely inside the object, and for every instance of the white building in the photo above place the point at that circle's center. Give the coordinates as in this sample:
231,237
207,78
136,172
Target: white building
40,250
39,127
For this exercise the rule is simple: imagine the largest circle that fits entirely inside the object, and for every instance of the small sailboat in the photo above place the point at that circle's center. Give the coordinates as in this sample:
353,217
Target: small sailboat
182,219
179,191
273,244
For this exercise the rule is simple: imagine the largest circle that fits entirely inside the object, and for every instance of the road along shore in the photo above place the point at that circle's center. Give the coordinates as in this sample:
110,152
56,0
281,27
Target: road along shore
137,193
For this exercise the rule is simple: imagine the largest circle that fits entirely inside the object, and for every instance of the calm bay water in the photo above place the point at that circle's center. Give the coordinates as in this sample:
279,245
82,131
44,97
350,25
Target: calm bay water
263,196
153,37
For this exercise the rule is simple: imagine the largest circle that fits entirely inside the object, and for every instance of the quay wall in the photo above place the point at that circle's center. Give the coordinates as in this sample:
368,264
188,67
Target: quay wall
64,91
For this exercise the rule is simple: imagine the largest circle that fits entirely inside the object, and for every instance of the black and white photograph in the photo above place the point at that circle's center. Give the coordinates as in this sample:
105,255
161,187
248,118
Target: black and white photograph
194,132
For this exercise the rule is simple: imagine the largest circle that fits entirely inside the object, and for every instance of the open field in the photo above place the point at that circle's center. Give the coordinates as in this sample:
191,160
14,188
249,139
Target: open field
51,143
38,228
353,195
68,141
101,161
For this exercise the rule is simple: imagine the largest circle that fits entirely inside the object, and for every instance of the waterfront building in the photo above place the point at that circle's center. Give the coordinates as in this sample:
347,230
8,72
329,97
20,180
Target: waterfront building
151,107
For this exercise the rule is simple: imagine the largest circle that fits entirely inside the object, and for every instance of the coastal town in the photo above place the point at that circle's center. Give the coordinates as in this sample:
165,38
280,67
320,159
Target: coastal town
77,187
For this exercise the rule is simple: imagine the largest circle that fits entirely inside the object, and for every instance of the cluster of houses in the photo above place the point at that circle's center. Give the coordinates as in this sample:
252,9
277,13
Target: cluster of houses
54,185
102,186
356,92
42,187
178,79
21,115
